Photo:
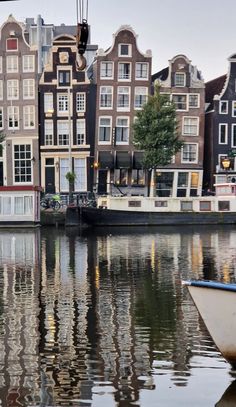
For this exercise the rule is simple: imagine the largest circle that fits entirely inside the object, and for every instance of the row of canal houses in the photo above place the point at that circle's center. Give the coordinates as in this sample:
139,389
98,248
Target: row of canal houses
55,116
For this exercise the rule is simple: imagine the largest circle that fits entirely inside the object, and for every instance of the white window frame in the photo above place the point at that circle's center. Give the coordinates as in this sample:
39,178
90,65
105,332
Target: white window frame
123,108
1,117
80,102
189,161
220,106
29,116
108,107
80,135
12,89
1,89
28,63
0,64
28,88
184,125
63,125
122,76
138,93
48,102
12,64
126,127
106,70
198,100
186,97
48,133
233,109
225,125
141,77
178,85
80,169
62,104
104,142
129,50
14,112
20,160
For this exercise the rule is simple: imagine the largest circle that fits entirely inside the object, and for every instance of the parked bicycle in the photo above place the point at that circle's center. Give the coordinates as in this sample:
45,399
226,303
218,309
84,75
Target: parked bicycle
51,201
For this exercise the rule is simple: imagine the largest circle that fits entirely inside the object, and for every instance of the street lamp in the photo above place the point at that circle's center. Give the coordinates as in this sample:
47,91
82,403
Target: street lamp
226,164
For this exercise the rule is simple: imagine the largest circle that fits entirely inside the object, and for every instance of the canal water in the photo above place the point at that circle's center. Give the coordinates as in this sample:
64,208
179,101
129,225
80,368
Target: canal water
102,319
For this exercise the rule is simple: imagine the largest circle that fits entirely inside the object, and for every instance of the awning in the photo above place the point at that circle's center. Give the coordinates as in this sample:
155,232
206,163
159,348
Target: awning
138,160
123,159
106,160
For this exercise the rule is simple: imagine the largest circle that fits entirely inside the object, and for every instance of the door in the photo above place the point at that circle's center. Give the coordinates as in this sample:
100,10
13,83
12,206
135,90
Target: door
102,182
49,180
1,174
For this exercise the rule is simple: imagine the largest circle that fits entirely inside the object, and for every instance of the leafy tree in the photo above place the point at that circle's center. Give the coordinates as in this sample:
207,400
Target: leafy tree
2,138
71,176
155,130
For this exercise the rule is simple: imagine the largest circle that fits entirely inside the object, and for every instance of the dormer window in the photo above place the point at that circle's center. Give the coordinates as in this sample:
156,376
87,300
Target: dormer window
180,79
125,50
64,78
12,44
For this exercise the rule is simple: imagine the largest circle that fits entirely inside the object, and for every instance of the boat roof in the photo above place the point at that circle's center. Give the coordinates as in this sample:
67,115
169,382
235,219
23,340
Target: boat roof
211,284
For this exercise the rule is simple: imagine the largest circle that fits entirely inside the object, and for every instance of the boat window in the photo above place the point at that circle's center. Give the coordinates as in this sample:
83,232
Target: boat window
205,205
223,205
186,206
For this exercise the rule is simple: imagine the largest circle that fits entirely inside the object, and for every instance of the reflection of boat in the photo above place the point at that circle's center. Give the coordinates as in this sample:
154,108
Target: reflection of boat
229,397
216,303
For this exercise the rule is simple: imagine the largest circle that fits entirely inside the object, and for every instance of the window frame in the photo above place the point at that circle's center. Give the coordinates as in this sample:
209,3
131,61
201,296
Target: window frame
178,85
29,113
26,67
186,102
127,127
220,106
107,77
129,47
105,142
122,76
29,84
124,107
141,95
110,106
141,77
190,125
183,161
226,133
198,100
47,136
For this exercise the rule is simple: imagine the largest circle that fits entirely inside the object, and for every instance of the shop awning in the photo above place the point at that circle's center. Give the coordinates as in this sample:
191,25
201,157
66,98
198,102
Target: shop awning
138,160
106,160
123,159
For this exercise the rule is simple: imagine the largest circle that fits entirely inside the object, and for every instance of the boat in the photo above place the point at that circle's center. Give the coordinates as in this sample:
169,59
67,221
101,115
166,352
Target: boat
121,210
216,303
228,399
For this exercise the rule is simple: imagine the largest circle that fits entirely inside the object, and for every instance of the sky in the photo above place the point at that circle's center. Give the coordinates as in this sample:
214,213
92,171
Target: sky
203,30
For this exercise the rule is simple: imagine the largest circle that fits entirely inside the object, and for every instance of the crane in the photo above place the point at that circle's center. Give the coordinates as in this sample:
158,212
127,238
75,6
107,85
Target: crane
82,31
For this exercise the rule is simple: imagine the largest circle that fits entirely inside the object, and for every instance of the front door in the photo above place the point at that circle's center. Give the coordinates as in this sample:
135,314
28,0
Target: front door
102,182
1,174
49,180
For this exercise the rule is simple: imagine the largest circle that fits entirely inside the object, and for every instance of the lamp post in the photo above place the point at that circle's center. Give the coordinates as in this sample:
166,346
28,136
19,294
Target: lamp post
226,164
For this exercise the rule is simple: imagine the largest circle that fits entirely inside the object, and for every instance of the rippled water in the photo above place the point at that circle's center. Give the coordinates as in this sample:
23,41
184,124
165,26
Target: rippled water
102,319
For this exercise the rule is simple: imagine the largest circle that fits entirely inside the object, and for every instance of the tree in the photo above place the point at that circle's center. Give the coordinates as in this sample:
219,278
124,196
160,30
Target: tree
70,176
155,130
2,138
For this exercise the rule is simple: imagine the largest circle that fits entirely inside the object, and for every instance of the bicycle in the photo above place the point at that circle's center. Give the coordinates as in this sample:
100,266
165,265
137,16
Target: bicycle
51,201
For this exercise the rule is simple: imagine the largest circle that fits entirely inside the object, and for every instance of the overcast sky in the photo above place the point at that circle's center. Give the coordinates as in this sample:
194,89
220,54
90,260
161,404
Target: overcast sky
203,30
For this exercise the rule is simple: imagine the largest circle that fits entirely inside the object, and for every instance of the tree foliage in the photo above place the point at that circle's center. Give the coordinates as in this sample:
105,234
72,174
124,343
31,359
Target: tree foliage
155,130
2,138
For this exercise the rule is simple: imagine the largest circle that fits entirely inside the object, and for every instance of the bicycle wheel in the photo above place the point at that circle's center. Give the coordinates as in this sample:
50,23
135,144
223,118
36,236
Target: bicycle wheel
56,205
43,204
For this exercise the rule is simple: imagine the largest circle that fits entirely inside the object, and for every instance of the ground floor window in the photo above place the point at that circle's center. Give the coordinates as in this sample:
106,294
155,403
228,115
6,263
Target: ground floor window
164,183
80,171
121,176
138,177
22,163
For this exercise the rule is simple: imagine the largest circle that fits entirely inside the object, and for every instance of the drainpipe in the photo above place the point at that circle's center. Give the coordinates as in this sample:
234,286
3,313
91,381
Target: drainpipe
39,43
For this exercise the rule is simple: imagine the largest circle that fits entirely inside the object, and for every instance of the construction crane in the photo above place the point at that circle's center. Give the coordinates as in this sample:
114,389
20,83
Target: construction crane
82,31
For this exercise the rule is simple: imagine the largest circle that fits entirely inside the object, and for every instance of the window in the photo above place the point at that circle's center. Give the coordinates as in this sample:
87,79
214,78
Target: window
23,205
180,101
141,70
186,206
80,102
64,78
223,107
63,133
164,183
233,135
1,90
124,50
140,97
182,184
161,204
122,130
48,102
194,181
138,177
193,101
62,104
28,88
22,163
190,126
189,153
13,117
123,98
179,79
124,71
80,128
223,133
223,205
105,129
28,63
205,206
106,70
121,176
64,168
12,44
134,204
29,117
1,118
234,108
48,133
12,89
106,97
12,63
0,64
80,171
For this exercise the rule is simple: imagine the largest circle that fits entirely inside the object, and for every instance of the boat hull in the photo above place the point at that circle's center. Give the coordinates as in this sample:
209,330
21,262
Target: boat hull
216,303
113,217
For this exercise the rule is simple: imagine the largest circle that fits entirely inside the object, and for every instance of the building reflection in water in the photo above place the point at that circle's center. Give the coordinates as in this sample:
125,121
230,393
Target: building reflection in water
102,315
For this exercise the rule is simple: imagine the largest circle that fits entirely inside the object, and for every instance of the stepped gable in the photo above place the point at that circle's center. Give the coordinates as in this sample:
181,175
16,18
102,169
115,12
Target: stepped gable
214,87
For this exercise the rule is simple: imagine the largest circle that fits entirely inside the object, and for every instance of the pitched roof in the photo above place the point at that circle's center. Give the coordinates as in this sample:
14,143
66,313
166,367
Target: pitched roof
214,87
162,75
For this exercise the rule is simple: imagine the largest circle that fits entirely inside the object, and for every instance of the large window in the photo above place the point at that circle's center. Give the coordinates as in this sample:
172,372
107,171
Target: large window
141,70
124,71
140,97
122,130
190,126
12,63
80,171
164,184
1,90
80,102
80,128
13,117
121,176
63,133
28,63
62,104
123,98
28,88
48,132
193,101
22,163
29,117
48,102
180,101
189,153
12,89
182,185
106,71
106,97
223,133
105,129
138,177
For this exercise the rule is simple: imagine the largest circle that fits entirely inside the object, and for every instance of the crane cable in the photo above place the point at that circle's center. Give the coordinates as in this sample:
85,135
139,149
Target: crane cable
82,31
